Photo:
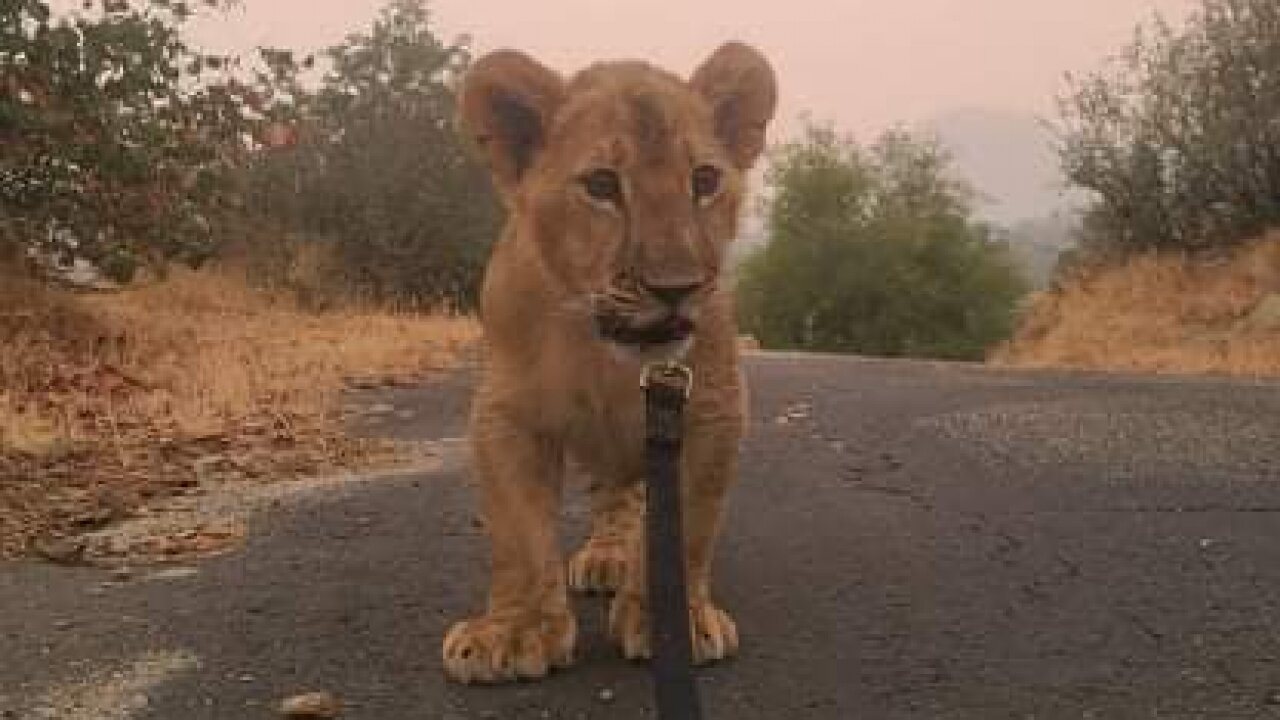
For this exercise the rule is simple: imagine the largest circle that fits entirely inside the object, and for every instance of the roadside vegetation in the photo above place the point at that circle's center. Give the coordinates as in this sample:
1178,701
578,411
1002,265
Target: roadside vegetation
111,401
198,253
875,250
1174,267
1178,265
1160,312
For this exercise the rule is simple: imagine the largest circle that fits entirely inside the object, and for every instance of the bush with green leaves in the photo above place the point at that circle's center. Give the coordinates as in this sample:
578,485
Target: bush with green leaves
1179,140
874,250
117,138
379,170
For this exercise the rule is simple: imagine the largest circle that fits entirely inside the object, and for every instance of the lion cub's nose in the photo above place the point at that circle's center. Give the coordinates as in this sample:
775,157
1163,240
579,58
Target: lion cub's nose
672,295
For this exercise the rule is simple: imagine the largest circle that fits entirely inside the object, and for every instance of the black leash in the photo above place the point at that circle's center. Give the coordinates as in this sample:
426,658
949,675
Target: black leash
666,388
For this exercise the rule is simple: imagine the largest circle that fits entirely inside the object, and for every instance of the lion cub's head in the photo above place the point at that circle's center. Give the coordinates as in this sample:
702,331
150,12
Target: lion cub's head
628,179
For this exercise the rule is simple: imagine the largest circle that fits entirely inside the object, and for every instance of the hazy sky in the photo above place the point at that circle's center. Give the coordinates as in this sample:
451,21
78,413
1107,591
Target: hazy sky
978,72
864,63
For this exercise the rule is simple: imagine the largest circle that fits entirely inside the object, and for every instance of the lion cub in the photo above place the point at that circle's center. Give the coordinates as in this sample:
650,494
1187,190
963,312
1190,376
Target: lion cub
624,186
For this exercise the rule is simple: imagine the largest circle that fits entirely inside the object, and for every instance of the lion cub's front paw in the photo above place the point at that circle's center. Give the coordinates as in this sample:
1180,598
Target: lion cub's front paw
715,636
598,567
488,650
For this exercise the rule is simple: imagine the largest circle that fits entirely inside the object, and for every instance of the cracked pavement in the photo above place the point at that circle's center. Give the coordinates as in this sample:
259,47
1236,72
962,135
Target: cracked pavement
908,540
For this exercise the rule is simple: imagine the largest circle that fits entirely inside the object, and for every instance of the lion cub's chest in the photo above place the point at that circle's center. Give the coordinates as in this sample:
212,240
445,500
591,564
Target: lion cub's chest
603,426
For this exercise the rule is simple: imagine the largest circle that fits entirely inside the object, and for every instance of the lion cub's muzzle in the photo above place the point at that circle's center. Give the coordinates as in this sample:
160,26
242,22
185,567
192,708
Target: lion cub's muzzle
648,316
668,331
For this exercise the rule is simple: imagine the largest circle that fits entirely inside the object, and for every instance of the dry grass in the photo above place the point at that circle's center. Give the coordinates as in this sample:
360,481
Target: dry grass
116,395
1163,314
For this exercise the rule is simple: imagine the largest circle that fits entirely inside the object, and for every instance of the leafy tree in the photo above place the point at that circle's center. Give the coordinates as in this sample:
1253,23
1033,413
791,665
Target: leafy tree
874,250
116,137
378,168
1178,140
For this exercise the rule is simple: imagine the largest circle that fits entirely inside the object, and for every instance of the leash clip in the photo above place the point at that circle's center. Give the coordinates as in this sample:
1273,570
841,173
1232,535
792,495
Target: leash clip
671,373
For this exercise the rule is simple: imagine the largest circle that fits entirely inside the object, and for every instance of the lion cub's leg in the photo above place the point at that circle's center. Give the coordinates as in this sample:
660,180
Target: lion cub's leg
709,468
617,509
528,628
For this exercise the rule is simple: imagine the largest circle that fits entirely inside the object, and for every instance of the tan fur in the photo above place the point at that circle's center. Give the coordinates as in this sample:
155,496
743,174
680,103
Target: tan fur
553,389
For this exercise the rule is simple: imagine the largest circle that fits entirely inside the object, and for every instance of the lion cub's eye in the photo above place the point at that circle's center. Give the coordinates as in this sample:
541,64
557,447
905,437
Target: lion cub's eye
603,185
706,182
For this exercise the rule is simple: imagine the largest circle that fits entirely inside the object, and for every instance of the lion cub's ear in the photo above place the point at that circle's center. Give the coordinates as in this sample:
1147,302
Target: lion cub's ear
743,92
507,101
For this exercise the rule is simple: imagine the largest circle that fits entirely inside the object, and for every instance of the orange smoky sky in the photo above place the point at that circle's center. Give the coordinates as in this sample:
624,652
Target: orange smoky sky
864,64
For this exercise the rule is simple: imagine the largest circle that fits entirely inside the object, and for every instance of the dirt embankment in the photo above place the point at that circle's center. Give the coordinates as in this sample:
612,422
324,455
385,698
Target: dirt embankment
1161,313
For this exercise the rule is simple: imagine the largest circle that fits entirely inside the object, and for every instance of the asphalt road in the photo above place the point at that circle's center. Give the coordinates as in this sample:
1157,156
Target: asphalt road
908,541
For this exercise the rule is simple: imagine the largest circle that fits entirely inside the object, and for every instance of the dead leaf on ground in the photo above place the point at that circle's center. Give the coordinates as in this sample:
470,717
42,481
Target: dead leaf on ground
311,706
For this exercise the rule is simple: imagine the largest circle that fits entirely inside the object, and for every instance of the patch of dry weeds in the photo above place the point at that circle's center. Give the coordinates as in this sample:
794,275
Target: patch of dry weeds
108,401
1158,313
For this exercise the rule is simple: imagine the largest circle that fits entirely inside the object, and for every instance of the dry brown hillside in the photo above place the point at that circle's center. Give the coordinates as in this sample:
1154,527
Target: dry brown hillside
1161,313
109,400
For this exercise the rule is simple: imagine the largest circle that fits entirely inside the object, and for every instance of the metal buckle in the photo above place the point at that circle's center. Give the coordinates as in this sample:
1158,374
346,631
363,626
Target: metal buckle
673,373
